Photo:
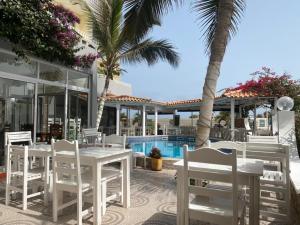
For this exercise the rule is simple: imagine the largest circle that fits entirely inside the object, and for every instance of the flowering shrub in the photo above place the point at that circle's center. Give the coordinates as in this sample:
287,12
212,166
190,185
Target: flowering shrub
41,28
62,22
268,83
85,61
155,153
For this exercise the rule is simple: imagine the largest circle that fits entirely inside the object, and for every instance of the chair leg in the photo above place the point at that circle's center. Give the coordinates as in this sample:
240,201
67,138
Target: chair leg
54,205
103,190
7,191
25,194
79,207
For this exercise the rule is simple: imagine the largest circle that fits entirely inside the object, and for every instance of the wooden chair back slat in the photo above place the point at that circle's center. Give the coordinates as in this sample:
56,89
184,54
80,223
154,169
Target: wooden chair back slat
17,137
216,176
209,155
208,192
262,139
240,147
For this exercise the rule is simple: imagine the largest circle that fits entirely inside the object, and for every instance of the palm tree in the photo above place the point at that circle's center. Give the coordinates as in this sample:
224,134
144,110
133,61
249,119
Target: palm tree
121,38
219,20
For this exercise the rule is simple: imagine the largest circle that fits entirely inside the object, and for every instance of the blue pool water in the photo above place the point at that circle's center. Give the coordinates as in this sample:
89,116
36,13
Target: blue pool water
169,149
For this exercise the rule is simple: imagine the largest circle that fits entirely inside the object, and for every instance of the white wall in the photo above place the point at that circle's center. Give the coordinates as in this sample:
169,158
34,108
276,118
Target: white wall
116,87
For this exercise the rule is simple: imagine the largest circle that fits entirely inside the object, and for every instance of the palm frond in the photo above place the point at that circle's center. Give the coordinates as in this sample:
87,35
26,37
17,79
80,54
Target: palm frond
116,20
141,15
208,16
150,51
96,13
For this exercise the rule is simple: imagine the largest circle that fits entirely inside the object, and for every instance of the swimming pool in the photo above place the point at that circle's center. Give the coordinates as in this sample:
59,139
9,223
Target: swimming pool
169,149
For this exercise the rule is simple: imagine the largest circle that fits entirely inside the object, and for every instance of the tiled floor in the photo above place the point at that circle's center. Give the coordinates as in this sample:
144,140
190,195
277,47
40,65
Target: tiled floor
153,202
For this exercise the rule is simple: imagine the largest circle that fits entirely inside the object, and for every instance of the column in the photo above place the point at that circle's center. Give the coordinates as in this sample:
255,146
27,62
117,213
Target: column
144,120
155,120
118,107
93,96
232,102
254,123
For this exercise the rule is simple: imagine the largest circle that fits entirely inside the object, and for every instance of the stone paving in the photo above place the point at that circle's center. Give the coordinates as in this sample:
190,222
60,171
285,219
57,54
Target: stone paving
153,202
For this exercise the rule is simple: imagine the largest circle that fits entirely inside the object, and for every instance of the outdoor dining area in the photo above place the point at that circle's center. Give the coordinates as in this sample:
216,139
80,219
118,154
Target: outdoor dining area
223,183
50,170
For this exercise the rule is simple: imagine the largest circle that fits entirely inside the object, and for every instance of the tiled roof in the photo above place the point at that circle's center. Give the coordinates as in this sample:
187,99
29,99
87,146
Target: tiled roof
126,98
239,94
180,102
227,94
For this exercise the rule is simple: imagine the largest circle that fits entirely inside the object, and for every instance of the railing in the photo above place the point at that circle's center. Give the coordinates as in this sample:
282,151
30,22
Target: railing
240,134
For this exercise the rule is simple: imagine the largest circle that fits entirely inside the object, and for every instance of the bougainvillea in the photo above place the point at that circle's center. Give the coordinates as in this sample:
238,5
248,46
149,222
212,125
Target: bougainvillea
41,28
268,83
85,61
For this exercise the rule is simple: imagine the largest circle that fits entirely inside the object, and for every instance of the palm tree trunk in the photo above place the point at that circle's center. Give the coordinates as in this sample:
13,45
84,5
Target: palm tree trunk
217,52
102,101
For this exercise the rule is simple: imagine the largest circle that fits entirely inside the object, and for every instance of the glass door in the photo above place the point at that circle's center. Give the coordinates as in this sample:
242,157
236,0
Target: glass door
77,114
16,108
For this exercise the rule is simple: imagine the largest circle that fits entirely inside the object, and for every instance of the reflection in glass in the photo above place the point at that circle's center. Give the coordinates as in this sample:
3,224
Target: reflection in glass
50,118
52,73
77,114
78,79
16,108
9,64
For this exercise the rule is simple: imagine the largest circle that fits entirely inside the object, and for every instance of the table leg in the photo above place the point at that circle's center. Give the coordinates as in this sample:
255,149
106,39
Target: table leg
97,193
254,201
126,182
251,200
180,198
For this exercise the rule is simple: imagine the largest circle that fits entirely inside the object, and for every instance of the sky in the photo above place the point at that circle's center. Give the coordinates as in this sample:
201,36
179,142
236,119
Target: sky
268,35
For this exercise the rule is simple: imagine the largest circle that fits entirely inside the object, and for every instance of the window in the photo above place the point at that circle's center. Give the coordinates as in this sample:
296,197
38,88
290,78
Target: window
9,64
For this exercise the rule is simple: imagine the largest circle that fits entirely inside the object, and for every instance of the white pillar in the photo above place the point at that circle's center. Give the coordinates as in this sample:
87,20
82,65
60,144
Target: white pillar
155,120
118,107
254,125
232,118
144,120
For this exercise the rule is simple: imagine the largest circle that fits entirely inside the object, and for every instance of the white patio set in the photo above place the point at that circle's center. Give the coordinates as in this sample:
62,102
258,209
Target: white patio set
220,184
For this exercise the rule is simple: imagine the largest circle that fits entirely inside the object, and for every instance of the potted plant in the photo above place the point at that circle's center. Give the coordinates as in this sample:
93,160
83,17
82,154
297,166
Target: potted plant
156,159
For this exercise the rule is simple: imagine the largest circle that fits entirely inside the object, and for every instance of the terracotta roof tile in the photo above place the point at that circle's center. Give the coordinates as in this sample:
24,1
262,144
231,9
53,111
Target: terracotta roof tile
180,102
239,94
126,98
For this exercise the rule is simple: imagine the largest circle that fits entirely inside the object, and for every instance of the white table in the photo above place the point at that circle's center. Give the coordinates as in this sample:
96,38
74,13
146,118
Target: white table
95,157
249,172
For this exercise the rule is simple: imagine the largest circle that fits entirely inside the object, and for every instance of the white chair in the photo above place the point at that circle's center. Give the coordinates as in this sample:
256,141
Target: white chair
266,139
274,185
91,136
19,137
21,178
212,204
114,141
120,141
67,177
